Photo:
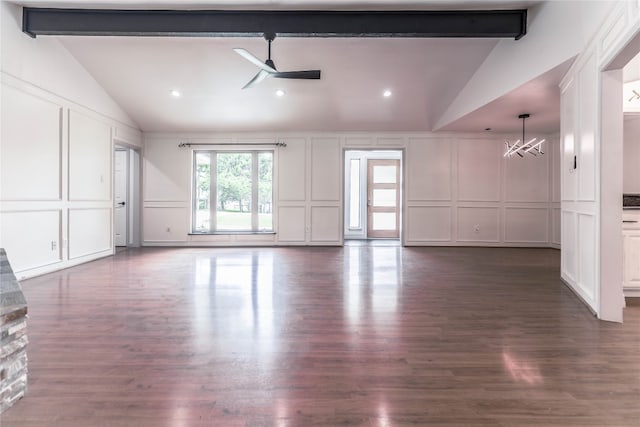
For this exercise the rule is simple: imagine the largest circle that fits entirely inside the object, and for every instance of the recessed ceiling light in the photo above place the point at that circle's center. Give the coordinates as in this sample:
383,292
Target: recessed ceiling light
386,93
280,92
175,93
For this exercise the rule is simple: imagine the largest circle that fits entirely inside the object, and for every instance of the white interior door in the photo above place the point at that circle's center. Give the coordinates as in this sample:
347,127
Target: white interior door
121,207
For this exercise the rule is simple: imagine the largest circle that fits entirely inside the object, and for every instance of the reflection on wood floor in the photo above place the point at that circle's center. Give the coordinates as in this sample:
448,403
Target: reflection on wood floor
363,335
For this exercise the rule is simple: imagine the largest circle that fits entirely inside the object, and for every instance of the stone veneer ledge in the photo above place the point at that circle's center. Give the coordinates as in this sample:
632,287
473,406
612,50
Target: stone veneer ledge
13,337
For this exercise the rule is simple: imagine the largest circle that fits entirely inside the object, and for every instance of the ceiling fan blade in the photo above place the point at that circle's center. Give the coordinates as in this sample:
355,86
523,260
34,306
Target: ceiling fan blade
262,74
254,59
308,74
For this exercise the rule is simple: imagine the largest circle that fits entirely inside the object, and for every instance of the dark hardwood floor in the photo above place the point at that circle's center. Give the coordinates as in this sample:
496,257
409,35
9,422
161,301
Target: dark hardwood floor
358,336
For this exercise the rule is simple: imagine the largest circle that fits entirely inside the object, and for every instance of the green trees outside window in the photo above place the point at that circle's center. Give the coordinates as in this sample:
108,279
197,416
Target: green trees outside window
242,188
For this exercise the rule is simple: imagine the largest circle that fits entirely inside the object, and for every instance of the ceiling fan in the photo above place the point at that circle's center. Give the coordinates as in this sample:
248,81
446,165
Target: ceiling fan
268,68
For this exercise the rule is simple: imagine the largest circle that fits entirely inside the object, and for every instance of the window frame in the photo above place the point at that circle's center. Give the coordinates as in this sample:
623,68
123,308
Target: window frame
213,194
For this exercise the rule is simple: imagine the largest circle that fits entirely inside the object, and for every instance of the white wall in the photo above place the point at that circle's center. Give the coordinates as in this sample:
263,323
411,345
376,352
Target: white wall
631,180
45,63
362,157
556,32
459,190
592,126
462,191
57,130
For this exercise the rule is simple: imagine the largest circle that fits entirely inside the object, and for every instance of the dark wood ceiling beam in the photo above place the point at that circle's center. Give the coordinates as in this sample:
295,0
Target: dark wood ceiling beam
234,23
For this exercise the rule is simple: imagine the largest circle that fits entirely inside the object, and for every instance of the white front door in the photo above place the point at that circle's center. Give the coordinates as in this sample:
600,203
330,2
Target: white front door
121,172
383,199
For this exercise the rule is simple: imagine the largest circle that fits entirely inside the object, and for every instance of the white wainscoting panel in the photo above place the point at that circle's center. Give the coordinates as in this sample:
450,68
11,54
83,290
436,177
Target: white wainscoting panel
167,170
556,228
254,239
89,231
569,245
526,225
31,238
588,115
267,239
325,169
291,224
429,169
428,224
165,224
479,170
587,256
568,149
30,154
527,178
325,224
291,171
555,152
479,224
90,158
204,239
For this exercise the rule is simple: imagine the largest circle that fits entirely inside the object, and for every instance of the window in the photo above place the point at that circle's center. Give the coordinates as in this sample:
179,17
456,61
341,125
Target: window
354,195
238,196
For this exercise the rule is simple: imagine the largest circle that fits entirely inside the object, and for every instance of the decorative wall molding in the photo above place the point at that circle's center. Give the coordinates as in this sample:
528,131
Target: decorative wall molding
87,233
31,224
310,184
36,176
530,222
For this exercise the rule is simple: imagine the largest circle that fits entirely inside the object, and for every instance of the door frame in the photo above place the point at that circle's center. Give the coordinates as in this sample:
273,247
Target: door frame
365,153
134,194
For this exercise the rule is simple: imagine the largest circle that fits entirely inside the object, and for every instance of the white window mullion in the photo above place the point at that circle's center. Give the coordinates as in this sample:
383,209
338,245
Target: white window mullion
213,192
195,193
254,191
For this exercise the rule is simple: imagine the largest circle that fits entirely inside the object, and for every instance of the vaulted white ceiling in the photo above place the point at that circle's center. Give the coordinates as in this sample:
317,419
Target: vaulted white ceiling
424,75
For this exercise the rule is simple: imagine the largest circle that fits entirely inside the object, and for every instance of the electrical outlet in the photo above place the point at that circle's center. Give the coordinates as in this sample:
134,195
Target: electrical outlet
54,245
476,228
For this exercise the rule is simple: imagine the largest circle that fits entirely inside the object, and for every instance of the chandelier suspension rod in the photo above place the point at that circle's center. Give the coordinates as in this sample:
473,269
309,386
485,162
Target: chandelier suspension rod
523,117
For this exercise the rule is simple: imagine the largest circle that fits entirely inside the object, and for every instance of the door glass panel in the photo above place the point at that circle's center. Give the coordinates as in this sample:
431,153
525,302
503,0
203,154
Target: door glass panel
354,195
384,221
384,197
384,174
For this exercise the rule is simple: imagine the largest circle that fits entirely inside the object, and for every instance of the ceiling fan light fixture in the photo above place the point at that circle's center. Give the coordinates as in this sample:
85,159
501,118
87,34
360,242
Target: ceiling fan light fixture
268,68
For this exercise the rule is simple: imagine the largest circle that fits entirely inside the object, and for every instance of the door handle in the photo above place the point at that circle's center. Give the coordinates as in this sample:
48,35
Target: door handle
121,204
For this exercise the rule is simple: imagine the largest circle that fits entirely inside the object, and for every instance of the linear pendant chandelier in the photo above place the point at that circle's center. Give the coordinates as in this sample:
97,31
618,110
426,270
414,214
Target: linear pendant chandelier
522,146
